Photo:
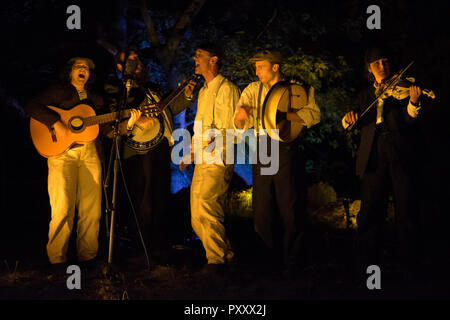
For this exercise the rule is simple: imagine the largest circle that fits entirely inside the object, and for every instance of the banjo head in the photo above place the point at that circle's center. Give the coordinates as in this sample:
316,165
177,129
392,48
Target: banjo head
144,140
283,97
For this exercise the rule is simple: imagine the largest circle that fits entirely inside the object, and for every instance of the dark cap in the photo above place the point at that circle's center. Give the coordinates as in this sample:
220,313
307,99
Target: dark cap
376,53
89,62
269,55
212,48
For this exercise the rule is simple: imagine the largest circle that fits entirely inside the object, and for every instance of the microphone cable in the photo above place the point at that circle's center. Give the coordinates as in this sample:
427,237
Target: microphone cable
132,206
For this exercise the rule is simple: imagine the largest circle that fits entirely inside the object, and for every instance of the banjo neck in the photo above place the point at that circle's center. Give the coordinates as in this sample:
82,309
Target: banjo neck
169,99
125,113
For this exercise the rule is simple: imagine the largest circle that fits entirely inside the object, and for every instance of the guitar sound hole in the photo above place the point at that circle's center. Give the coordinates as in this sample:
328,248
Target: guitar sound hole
76,124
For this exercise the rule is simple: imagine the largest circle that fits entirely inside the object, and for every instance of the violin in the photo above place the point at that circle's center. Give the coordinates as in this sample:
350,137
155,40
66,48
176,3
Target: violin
396,87
399,88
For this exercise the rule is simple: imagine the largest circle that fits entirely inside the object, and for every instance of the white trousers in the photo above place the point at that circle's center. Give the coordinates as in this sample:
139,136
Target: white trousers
74,180
208,190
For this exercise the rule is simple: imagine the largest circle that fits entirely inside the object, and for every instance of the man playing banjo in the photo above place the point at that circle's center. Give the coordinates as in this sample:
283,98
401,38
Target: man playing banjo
146,150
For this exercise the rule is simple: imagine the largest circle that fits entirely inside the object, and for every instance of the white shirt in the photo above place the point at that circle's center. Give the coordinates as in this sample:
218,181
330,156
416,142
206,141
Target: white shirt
310,113
216,102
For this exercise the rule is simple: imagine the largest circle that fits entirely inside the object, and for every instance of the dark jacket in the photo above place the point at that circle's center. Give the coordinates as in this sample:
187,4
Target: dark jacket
396,118
64,96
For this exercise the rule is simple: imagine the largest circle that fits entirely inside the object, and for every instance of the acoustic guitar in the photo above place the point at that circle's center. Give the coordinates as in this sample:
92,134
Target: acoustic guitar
82,122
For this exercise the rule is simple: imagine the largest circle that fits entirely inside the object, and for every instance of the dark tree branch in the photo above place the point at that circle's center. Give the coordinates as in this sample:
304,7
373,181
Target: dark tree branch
268,23
188,15
149,23
176,33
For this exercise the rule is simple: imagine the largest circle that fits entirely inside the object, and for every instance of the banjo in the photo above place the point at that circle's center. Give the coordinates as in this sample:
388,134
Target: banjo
142,140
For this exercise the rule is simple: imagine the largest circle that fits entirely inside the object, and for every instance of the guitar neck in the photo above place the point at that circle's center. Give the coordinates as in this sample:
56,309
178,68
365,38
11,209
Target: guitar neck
105,118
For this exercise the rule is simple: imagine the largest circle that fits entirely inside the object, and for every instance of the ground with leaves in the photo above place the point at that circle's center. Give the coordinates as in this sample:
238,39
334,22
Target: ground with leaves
327,275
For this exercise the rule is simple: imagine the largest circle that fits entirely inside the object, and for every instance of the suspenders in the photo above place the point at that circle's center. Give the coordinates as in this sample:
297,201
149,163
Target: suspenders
258,107
213,124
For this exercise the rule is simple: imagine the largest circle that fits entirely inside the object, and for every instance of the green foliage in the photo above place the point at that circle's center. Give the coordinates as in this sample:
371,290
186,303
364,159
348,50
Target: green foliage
319,195
329,149
326,145
239,203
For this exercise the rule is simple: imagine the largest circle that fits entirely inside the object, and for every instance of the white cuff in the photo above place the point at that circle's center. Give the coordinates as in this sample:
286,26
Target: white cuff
412,110
344,123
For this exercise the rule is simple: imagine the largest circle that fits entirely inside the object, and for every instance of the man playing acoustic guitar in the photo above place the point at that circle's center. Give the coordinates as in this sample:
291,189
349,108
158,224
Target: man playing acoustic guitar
74,176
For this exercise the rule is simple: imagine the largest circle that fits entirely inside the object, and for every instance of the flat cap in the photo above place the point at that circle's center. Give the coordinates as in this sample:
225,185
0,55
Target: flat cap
269,55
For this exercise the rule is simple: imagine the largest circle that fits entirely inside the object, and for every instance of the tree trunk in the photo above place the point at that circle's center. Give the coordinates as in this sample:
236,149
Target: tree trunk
154,39
166,55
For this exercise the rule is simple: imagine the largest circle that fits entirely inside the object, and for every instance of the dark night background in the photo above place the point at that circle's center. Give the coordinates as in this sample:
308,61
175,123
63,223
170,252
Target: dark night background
36,43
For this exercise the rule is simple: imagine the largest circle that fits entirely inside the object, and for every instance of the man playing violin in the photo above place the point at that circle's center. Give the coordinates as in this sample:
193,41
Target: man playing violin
385,160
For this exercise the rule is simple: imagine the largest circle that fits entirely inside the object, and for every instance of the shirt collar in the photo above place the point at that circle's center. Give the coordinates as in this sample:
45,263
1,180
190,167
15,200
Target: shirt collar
214,82
266,85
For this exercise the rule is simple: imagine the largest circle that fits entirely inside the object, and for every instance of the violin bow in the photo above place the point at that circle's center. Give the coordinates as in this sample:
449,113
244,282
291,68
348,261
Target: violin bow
390,84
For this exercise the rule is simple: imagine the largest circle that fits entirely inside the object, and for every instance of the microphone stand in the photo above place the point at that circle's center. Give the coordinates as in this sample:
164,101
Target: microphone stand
115,154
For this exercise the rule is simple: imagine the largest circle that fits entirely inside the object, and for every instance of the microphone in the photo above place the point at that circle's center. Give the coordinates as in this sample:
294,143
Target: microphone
129,73
128,85
130,68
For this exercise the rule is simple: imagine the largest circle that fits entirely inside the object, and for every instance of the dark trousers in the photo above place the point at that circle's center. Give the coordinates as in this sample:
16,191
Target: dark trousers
148,181
279,204
385,172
